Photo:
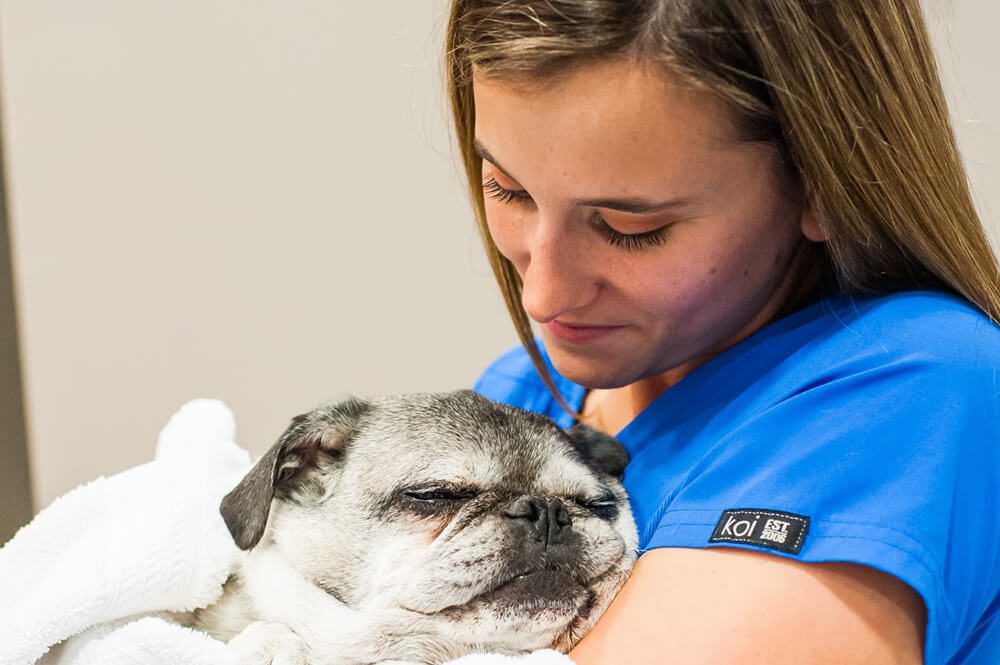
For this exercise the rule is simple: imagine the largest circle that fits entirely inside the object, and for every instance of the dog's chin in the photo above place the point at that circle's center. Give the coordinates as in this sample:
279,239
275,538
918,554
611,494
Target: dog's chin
548,591
530,611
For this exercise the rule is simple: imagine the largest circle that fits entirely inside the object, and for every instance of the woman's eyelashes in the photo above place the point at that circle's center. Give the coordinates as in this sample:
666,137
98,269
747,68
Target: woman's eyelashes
495,190
630,241
627,241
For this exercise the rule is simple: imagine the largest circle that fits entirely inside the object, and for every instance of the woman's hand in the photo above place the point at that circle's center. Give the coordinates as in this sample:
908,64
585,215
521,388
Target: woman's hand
737,606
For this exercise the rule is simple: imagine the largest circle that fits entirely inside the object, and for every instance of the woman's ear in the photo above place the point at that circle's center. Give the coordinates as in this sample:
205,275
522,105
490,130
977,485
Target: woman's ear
810,224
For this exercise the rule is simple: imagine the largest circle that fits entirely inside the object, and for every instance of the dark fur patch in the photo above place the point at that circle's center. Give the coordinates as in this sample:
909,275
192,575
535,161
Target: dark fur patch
311,440
598,450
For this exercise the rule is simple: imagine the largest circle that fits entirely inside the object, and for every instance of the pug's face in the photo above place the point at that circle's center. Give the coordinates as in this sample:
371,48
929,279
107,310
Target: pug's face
492,520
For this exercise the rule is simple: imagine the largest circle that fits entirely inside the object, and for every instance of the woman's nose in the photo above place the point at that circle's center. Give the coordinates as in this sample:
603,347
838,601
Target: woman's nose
557,277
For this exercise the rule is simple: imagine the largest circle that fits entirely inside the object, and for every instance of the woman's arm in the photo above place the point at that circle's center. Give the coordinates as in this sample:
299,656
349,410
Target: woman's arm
738,606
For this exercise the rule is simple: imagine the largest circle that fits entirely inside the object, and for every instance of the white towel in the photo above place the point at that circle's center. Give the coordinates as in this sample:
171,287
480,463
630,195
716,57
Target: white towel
143,641
149,539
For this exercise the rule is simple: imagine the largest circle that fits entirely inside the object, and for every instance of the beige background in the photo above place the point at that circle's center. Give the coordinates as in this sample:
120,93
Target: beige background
258,202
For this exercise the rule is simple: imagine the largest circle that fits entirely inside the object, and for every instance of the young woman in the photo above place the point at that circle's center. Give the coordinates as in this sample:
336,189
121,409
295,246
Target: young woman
744,232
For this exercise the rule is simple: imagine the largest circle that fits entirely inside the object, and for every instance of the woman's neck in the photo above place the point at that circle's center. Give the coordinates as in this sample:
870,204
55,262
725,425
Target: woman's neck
610,410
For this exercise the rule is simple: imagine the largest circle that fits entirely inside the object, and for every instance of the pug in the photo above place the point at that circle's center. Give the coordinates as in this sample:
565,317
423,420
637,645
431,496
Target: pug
422,528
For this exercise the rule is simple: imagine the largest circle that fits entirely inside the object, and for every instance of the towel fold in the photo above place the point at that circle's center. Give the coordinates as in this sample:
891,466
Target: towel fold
144,641
147,539
83,573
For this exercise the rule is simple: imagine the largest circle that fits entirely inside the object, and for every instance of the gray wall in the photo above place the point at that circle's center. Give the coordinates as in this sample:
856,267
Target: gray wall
258,202
249,201
964,32
15,500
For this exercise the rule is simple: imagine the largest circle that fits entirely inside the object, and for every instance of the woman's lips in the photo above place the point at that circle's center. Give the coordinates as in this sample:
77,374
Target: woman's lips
579,333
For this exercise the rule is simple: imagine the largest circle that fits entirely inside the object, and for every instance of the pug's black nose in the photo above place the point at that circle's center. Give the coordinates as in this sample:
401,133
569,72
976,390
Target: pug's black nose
547,519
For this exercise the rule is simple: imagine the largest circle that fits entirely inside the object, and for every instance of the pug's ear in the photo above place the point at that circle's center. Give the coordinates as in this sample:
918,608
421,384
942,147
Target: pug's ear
313,440
599,451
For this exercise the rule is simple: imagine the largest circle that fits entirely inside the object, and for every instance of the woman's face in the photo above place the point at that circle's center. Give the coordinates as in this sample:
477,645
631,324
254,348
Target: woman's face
647,236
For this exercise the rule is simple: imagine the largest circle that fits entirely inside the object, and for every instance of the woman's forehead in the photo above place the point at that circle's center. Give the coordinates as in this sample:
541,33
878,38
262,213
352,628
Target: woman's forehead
639,98
612,122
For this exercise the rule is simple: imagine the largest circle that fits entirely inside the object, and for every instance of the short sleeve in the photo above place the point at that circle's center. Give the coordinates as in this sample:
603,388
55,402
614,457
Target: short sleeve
896,466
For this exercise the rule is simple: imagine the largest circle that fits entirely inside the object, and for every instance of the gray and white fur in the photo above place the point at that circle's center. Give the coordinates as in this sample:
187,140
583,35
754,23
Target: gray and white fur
422,528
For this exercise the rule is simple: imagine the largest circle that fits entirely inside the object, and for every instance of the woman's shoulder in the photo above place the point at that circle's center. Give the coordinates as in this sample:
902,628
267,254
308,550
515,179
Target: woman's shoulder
825,402
950,342
917,320
926,331
861,430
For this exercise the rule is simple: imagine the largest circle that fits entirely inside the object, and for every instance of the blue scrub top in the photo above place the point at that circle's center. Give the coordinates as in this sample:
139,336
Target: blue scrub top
857,429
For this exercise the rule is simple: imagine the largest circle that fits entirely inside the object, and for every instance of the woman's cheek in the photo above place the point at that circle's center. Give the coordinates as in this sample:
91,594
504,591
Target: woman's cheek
505,231
695,280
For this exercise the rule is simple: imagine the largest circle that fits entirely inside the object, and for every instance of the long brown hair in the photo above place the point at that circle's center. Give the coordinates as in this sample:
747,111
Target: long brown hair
847,90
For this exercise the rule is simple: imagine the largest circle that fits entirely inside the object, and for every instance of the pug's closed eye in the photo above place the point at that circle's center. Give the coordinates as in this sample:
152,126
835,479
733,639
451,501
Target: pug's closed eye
604,506
436,500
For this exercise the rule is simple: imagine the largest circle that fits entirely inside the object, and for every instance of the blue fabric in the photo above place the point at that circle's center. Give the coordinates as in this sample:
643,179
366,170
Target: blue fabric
875,417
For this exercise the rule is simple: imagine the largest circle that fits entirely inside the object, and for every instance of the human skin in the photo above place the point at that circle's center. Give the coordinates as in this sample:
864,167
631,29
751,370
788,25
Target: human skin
731,253
629,302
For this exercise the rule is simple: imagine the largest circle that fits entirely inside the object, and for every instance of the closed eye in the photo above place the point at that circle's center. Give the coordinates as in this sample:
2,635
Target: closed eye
604,506
433,501
628,241
631,241
440,494
495,190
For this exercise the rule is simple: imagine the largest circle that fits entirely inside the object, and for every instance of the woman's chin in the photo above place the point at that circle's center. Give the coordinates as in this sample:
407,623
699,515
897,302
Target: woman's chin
590,372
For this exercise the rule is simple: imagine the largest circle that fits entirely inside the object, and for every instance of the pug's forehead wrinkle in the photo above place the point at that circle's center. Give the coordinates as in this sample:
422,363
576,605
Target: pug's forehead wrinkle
463,415
479,438
476,470
417,466
571,477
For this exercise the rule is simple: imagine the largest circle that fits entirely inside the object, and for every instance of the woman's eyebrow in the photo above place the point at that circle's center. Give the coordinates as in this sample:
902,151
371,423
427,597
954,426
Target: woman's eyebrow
485,154
634,205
